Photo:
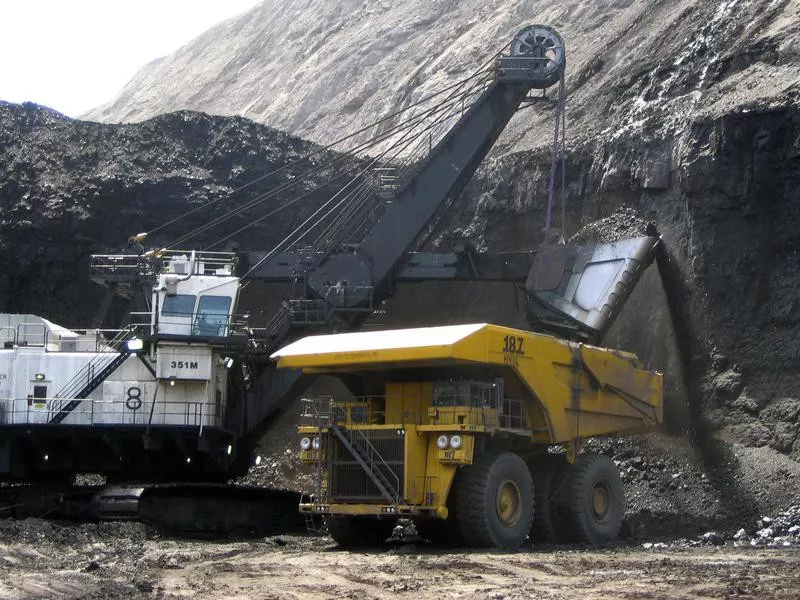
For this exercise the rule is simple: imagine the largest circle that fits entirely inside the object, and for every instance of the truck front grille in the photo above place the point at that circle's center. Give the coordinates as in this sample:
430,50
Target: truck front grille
350,482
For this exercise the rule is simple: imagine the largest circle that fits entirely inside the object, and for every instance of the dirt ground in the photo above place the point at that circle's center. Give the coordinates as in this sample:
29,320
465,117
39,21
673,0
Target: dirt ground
117,560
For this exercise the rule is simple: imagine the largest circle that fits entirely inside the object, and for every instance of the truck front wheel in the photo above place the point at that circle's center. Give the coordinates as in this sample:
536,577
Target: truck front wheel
494,501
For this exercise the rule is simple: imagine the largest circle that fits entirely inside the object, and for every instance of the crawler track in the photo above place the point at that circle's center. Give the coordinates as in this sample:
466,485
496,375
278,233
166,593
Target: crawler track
186,509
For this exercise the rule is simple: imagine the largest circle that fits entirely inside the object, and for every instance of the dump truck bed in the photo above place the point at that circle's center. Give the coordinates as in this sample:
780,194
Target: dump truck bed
579,390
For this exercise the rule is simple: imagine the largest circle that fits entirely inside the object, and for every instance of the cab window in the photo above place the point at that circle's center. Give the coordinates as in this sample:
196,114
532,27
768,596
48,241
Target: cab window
180,305
212,315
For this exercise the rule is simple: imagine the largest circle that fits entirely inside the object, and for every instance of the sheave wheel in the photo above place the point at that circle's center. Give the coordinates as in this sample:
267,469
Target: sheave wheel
359,532
494,501
594,499
548,471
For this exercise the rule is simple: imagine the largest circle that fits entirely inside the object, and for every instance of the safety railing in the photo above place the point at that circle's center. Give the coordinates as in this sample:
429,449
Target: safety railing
85,378
206,262
200,324
132,267
317,411
32,334
321,411
121,267
308,312
37,335
467,393
131,410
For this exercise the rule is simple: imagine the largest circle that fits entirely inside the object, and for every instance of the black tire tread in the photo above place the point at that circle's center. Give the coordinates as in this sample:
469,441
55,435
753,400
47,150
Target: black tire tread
580,470
473,519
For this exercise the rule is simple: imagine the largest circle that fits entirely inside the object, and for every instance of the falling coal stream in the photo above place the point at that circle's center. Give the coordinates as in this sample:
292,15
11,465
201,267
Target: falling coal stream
719,462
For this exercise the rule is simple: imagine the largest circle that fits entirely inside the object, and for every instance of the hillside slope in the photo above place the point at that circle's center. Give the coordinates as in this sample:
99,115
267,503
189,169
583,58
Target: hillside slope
322,69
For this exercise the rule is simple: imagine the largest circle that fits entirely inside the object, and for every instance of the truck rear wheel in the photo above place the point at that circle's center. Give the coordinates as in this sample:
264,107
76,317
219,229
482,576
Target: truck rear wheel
494,501
548,472
359,532
594,499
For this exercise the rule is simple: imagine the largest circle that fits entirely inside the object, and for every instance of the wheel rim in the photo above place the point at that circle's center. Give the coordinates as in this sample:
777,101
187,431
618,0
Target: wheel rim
601,500
509,503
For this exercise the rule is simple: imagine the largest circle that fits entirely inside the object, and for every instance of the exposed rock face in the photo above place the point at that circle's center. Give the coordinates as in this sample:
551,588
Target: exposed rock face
323,69
71,188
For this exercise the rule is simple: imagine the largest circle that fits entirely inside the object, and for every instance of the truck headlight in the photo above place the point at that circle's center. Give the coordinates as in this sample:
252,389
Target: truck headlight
316,443
305,443
455,442
441,442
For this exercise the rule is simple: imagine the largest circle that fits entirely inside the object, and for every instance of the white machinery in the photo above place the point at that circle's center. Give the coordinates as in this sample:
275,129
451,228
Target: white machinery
163,379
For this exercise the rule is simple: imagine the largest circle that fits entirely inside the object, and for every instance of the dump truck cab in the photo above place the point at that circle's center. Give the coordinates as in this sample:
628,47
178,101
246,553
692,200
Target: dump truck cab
453,426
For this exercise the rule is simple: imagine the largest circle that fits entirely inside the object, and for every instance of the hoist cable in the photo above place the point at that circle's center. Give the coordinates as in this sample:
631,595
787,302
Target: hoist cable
410,124
563,102
556,154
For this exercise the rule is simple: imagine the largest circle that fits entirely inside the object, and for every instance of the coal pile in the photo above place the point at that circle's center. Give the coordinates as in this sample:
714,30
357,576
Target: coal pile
623,223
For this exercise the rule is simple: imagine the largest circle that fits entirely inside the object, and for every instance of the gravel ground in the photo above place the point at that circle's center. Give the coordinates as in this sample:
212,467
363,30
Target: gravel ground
40,559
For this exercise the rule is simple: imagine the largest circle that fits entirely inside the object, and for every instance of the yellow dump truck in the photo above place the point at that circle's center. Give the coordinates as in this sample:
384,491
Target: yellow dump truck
473,431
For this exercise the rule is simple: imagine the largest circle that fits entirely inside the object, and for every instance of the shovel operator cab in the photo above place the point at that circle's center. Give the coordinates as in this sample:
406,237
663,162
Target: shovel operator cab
452,426
148,400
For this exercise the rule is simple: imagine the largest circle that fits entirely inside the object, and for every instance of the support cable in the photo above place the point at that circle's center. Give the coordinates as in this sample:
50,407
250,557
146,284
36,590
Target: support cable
410,123
399,146
329,146
293,237
413,123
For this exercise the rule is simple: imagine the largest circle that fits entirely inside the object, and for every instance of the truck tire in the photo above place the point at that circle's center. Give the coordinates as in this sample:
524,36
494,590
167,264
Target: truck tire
360,532
548,472
593,499
494,501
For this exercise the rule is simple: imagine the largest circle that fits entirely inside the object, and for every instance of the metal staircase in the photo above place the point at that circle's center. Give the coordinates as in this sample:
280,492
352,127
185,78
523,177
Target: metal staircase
69,401
89,378
370,460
